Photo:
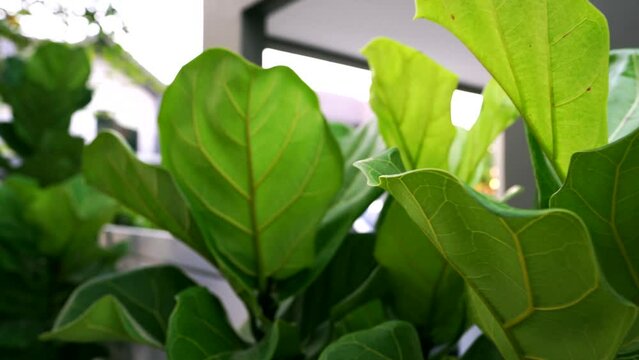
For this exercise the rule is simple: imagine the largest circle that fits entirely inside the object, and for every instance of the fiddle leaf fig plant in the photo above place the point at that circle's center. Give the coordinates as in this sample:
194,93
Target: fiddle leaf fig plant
523,270
51,217
255,180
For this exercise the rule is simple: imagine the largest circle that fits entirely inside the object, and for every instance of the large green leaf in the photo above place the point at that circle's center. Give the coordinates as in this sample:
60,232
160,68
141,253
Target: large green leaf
497,114
69,217
603,189
623,101
391,340
533,280
113,168
425,290
132,306
551,58
411,97
352,200
256,161
199,328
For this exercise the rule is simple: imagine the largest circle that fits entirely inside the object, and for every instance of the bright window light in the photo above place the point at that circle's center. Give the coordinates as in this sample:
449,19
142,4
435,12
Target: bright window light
323,76
163,35
464,108
330,78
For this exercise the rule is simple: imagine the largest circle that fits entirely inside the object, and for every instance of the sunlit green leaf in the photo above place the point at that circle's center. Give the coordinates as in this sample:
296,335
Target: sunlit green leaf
352,200
497,114
255,160
411,97
551,58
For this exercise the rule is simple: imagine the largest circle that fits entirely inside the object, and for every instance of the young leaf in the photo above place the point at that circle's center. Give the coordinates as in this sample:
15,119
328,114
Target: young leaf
390,340
623,101
425,290
532,276
411,97
111,167
352,200
602,188
256,161
551,58
497,114
199,328
132,306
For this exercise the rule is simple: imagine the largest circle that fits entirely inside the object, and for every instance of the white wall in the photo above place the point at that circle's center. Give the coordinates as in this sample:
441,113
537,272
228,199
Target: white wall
223,23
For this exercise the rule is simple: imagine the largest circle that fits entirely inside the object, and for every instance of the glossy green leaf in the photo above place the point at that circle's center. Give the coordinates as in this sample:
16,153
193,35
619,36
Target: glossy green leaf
623,101
111,167
497,114
255,160
411,97
425,290
198,327
132,306
392,340
352,200
533,281
551,58
602,187
69,217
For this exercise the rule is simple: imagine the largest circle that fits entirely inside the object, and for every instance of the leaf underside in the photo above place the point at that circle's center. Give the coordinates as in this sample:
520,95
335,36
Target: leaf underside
532,276
551,58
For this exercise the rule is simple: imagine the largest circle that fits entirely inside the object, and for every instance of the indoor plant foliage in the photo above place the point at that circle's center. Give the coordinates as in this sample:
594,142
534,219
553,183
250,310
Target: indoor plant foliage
50,218
256,181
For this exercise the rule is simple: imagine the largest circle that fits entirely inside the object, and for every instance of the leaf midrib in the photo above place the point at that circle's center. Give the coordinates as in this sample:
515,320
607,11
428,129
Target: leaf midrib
505,327
259,260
